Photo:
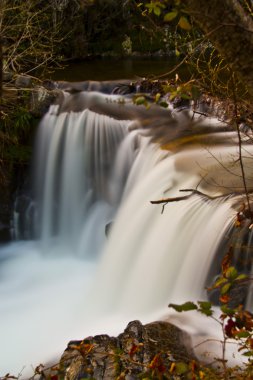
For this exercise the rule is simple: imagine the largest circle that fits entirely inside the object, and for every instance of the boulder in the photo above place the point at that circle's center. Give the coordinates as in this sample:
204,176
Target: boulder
140,350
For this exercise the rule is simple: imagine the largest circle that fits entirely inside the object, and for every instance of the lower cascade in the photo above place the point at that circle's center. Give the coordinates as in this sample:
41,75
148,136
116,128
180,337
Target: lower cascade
96,164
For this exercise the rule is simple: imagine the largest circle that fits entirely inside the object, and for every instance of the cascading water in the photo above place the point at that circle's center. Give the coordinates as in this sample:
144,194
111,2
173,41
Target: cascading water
73,180
70,281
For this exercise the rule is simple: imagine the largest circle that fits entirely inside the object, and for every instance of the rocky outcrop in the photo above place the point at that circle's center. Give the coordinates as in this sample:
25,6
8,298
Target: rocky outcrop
34,95
141,350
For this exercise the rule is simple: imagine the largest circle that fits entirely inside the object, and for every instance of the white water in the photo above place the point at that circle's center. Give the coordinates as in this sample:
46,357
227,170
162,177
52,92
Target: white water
71,282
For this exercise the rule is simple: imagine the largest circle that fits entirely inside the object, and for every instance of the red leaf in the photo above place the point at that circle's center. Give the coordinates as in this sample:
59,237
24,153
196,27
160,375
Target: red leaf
157,364
224,299
230,327
226,262
133,350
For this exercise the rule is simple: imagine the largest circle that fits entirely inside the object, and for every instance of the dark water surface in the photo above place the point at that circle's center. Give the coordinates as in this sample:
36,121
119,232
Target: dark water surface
113,69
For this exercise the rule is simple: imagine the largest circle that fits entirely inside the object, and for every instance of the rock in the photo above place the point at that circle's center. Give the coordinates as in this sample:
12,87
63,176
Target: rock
91,358
159,53
7,76
50,84
75,365
23,81
138,351
41,99
108,228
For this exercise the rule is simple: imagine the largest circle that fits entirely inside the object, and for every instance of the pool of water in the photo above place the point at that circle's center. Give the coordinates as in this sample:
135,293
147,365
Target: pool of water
113,69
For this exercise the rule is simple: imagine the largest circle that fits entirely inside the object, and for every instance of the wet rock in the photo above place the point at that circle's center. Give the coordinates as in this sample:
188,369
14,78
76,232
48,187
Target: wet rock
41,99
75,365
128,356
108,228
106,87
50,84
93,357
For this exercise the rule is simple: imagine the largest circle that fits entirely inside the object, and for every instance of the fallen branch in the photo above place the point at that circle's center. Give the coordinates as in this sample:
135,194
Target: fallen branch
193,192
165,201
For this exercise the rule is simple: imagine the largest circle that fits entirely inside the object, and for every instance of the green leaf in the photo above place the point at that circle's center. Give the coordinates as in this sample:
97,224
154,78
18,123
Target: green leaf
157,11
173,95
185,96
248,353
140,100
161,5
171,15
157,97
231,273
181,368
220,281
241,277
184,23
225,288
208,313
177,52
242,334
226,310
149,5
164,104
205,307
187,306
205,304
168,88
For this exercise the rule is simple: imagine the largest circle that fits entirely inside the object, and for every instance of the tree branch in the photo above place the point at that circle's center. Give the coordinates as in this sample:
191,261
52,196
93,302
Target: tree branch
193,192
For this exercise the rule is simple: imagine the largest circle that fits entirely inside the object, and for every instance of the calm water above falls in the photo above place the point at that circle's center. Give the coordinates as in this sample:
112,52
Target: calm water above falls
68,281
112,69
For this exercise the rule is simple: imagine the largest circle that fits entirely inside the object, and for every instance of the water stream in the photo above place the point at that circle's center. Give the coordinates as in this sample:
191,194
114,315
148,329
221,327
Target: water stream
68,280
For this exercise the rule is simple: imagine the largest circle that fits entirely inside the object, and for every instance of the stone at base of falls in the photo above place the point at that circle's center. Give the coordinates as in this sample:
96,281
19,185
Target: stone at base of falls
108,228
129,355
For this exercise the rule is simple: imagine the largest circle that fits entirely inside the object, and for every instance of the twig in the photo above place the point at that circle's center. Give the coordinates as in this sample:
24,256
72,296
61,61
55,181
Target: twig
177,199
240,148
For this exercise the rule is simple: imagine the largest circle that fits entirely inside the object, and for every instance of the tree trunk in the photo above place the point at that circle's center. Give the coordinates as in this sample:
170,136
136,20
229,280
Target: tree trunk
2,5
230,30
1,68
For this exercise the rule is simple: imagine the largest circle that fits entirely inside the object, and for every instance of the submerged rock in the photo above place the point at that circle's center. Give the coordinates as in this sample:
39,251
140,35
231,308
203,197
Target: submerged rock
139,350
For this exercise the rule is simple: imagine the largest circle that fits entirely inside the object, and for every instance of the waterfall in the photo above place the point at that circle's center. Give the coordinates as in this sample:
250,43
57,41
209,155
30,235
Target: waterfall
75,153
92,168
